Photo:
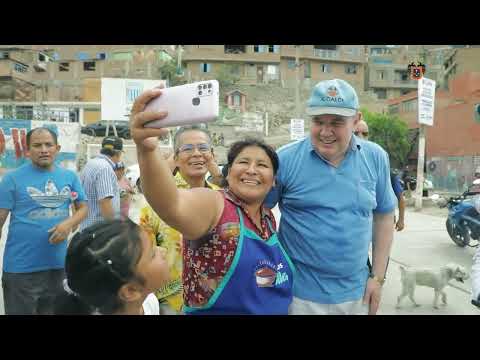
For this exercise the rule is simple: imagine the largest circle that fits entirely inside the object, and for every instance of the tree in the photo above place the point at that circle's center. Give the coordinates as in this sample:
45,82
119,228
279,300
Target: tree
391,133
168,70
226,76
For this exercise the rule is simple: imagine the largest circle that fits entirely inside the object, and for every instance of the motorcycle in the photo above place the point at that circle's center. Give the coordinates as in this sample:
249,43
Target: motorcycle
463,222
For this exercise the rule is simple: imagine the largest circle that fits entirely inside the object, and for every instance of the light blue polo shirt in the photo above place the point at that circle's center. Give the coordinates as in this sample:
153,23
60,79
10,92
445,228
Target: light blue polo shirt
327,212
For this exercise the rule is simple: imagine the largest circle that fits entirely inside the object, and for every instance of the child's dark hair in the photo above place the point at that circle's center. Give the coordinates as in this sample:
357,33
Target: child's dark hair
238,146
100,260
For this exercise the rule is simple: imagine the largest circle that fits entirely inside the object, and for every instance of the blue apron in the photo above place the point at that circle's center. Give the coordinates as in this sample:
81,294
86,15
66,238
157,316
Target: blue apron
259,281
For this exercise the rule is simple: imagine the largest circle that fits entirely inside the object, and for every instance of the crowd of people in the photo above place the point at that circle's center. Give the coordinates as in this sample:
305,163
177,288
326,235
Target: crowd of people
206,247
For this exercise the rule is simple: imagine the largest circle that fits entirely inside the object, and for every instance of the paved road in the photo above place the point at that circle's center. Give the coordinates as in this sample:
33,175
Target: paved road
424,242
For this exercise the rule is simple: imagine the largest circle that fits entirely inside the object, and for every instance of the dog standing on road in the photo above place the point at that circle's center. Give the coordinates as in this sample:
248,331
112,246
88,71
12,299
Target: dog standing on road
436,279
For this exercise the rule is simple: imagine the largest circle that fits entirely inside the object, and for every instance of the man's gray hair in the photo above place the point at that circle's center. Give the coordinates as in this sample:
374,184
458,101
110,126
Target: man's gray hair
184,129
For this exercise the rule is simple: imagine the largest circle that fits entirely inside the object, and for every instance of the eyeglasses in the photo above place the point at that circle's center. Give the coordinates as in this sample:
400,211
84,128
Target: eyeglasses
364,133
189,148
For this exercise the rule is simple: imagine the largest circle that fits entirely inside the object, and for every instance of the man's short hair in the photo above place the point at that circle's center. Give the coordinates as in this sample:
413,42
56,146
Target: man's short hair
53,133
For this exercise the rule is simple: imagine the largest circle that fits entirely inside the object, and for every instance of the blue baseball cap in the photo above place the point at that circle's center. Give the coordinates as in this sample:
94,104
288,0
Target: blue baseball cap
333,97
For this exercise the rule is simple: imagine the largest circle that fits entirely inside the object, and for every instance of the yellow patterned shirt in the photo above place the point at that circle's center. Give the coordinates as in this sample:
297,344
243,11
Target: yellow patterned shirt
169,238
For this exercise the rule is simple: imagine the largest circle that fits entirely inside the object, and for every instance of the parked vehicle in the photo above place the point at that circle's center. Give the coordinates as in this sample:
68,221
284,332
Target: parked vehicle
463,222
99,128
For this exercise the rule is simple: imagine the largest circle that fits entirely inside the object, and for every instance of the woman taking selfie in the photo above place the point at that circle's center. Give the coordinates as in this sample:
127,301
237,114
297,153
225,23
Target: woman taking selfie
233,262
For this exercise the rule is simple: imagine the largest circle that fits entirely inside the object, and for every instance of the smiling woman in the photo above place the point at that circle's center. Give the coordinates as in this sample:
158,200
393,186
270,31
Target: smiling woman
231,236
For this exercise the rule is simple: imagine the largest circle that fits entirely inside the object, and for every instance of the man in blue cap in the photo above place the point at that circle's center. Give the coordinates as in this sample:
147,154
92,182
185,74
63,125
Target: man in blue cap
335,196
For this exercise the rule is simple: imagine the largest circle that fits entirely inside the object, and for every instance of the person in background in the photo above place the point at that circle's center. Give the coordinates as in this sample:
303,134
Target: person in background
101,184
38,195
191,160
361,130
126,190
112,268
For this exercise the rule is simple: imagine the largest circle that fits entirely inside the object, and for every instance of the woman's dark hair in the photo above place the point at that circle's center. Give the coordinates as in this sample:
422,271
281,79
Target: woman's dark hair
237,147
100,260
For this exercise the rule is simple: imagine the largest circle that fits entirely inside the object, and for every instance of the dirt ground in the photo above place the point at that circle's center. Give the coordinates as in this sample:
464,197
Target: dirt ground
434,211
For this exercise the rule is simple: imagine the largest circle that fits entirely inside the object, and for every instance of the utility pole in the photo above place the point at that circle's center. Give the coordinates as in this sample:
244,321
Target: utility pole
179,60
421,148
297,84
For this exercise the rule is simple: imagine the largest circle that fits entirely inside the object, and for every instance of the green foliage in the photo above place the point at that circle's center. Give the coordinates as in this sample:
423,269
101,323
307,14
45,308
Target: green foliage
226,76
168,71
391,133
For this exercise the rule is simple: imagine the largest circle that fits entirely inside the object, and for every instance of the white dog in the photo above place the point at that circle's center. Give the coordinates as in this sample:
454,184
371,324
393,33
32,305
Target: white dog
436,279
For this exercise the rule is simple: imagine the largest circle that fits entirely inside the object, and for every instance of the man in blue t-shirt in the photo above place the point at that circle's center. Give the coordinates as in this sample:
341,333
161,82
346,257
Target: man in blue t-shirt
333,189
38,196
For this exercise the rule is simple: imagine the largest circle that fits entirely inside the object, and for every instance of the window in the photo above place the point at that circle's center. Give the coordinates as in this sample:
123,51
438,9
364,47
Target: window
381,93
325,47
82,56
234,49
272,72
401,75
410,105
236,99
380,74
273,48
64,66
325,51
101,56
24,112
380,51
272,69
307,70
326,68
350,69
20,68
259,48
251,70
4,55
393,109
205,68
291,64
89,66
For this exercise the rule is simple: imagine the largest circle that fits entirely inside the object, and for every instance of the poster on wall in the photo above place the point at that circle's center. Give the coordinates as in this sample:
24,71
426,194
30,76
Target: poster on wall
118,95
13,142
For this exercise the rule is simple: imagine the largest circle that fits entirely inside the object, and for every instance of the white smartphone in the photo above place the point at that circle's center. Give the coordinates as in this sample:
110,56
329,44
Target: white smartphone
186,104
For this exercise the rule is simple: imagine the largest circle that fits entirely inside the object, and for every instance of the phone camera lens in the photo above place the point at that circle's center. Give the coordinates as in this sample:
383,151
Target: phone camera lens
199,87
204,86
199,93
209,86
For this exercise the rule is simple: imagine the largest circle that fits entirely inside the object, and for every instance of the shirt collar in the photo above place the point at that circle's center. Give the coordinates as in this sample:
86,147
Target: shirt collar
182,183
264,212
102,156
